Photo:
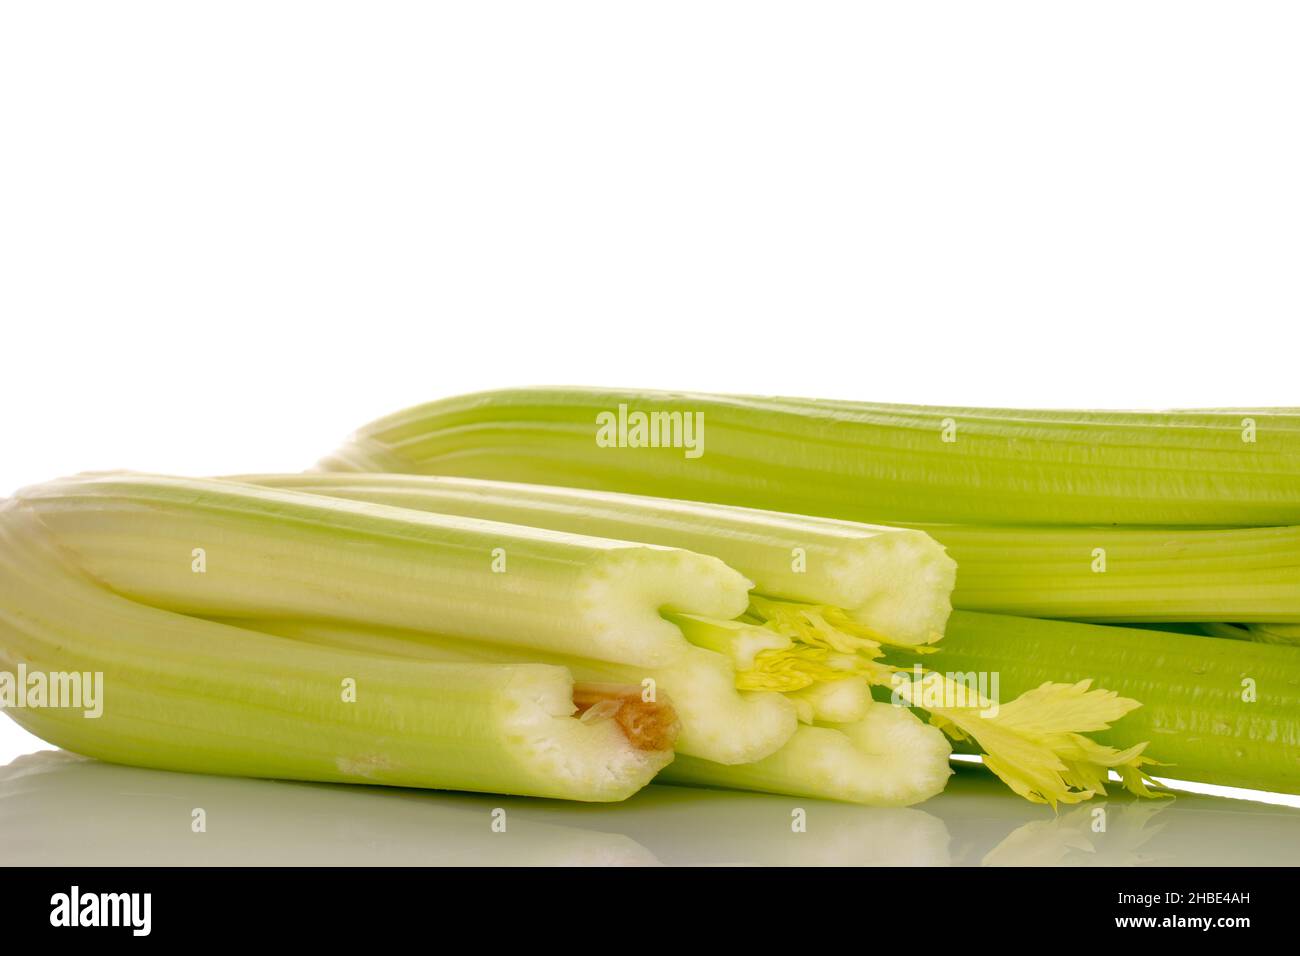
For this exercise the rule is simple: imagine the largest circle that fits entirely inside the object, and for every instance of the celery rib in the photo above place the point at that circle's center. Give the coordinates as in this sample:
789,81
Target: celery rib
186,694
718,722
1193,690
895,580
274,553
1127,574
868,462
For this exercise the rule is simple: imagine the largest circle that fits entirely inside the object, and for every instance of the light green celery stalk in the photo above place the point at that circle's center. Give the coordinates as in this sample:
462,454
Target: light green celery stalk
220,548
1215,711
886,757
1127,574
857,460
590,603
718,722
1034,743
179,693
894,580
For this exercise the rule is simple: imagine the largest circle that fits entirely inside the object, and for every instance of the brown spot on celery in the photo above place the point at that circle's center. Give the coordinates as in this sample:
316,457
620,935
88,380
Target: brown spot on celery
648,725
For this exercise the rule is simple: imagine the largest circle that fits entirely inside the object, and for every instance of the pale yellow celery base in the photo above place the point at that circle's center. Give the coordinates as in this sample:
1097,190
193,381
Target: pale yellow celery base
890,758
837,702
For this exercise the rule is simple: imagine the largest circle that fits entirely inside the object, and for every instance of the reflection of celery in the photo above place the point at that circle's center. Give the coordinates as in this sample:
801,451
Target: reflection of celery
689,826
59,809
1077,838
188,694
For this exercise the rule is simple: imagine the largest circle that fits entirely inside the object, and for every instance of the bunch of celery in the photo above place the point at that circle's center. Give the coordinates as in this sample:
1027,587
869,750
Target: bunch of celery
828,593
1165,518
412,619
772,688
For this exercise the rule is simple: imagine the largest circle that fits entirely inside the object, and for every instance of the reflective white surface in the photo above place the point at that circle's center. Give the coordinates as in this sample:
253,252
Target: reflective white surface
57,808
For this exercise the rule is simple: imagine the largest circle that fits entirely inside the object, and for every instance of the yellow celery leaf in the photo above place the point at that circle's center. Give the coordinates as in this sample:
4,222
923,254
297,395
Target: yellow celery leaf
1065,708
800,666
1091,760
816,625
1033,742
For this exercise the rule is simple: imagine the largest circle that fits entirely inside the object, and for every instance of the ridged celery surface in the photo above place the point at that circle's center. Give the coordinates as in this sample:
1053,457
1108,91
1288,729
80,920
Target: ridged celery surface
718,722
1216,711
1127,574
895,583
860,461
272,553
181,693
895,580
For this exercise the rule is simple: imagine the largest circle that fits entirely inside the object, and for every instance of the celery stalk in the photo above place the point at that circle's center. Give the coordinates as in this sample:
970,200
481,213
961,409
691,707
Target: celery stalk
860,461
895,580
180,693
272,553
889,758
718,722
1127,574
1216,711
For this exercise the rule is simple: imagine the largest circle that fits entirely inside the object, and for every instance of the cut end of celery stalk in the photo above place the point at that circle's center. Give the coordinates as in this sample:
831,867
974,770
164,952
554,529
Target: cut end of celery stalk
889,758
910,600
837,702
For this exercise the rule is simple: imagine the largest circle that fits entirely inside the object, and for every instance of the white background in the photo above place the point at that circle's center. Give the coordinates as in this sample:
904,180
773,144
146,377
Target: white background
229,233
